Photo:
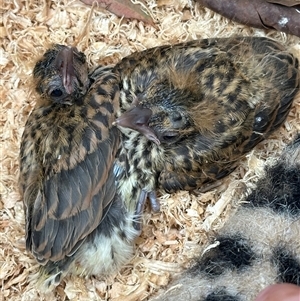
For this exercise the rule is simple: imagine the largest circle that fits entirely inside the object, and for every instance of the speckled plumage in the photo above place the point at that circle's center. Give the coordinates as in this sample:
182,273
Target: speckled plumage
186,113
204,104
75,218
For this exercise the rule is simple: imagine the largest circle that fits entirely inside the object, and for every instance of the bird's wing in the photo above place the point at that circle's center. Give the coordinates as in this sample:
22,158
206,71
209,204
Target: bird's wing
66,171
172,181
255,99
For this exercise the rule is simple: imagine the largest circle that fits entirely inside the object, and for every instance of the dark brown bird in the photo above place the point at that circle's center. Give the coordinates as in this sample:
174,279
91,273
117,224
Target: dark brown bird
76,220
204,104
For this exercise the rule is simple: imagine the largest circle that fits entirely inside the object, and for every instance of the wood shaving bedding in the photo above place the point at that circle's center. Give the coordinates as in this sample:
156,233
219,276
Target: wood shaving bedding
169,238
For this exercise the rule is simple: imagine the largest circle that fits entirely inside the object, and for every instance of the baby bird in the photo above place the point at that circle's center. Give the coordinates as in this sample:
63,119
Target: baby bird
191,110
76,220
186,113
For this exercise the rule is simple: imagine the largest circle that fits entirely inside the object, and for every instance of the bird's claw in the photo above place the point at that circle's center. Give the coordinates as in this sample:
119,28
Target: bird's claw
154,203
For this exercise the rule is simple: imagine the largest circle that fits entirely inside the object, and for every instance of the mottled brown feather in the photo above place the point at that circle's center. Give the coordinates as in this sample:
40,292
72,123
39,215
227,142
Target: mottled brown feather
212,101
67,152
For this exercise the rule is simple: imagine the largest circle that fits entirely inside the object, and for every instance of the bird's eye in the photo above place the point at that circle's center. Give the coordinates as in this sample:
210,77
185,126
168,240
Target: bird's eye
169,137
56,93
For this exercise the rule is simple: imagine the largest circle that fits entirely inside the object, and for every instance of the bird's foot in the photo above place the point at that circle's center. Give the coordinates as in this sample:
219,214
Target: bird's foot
154,203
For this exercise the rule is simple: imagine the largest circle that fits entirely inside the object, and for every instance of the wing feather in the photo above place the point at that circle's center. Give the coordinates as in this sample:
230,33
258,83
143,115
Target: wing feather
68,179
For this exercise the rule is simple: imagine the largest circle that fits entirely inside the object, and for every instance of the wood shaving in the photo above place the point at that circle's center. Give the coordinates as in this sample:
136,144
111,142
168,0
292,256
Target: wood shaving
170,238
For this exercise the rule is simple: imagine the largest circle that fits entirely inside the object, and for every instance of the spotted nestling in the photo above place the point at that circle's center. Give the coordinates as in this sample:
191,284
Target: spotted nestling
190,111
76,220
84,183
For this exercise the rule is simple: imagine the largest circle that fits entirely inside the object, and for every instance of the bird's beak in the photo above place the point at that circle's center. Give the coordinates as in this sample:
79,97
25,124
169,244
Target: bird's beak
137,118
64,63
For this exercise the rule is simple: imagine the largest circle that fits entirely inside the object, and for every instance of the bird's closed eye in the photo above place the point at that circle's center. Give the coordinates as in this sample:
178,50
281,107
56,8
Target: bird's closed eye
169,137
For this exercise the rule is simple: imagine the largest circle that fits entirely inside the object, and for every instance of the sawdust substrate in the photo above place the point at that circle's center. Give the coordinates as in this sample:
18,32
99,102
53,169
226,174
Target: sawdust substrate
170,238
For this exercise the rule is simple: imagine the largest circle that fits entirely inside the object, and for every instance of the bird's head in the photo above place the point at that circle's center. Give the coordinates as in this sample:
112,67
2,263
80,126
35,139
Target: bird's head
160,114
170,119
61,76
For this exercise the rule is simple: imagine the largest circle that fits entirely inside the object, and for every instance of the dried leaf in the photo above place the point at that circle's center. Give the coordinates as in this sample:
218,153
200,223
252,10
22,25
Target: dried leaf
285,2
123,8
258,13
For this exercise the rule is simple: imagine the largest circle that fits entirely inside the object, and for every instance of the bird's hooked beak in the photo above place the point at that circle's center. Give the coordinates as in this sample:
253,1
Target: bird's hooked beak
64,63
